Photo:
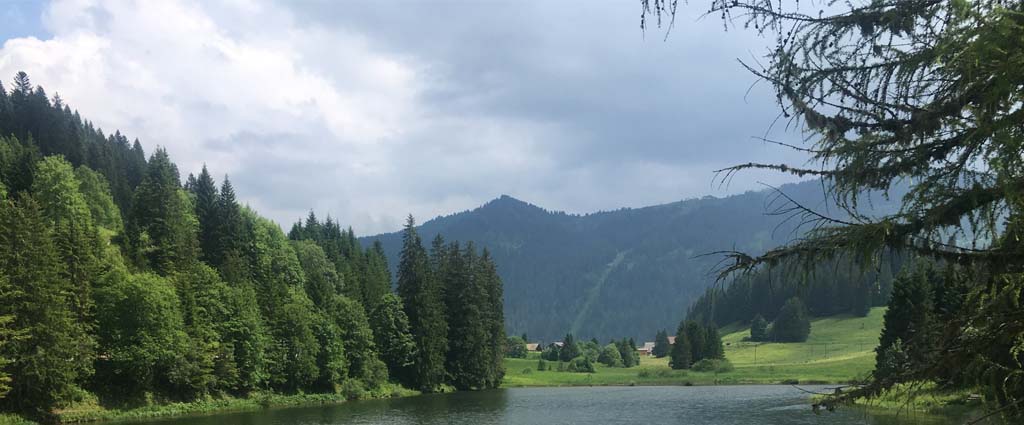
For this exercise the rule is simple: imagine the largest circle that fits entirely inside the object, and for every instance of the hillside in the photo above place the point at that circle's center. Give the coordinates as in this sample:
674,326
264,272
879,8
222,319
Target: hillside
840,349
628,272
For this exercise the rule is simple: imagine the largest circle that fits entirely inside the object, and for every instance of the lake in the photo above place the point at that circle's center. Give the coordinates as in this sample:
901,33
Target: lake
571,405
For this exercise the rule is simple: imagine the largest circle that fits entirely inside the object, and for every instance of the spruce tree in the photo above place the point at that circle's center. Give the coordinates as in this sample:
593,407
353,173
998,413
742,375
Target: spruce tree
758,328
162,230
793,323
661,345
713,348
681,355
696,335
909,318
494,314
206,200
42,376
569,350
468,357
422,302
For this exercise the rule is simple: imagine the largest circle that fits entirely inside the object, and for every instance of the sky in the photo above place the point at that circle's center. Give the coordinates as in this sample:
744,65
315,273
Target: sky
372,110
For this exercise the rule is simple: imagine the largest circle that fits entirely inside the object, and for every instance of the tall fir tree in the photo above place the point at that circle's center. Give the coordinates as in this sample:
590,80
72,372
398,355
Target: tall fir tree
681,355
43,378
422,301
393,336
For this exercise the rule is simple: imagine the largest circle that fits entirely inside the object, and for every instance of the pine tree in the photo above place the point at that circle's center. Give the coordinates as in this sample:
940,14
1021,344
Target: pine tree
713,348
910,317
78,246
422,302
468,358
161,235
43,378
207,198
494,313
681,356
569,350
758,328
695,334
661,345
792,324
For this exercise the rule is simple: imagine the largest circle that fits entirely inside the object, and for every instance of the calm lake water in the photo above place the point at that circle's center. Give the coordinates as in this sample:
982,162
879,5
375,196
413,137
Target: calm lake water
578,405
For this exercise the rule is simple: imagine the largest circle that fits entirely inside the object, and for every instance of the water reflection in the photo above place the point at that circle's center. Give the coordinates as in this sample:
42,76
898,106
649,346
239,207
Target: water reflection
558,406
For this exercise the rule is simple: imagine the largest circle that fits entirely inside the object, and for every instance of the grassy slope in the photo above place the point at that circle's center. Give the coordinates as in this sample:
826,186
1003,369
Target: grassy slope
839,349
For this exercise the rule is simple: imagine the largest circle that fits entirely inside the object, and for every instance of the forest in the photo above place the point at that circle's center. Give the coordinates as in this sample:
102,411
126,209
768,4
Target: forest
119,281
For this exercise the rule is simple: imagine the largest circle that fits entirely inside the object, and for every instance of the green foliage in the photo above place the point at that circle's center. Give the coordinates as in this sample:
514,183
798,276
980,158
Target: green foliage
712,365
96,190
610,356
758,329
392,335
161,232
945,74
143,342
792,323
515,347
661,345
541,365
580,365
681,355
569,349
909,322
421,298
713,343
43,378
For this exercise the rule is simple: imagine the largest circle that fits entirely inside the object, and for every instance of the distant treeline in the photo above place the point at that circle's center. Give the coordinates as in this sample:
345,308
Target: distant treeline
833,287
117,280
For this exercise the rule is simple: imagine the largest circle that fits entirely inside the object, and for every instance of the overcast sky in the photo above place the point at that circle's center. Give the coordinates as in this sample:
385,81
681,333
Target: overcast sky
371,110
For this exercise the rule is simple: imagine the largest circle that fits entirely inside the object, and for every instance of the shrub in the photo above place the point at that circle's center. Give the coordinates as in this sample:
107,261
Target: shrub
542,365
713,365
353,389
580,365
527,371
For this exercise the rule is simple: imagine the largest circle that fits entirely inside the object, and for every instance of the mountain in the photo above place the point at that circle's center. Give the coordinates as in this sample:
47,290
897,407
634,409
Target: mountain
628,272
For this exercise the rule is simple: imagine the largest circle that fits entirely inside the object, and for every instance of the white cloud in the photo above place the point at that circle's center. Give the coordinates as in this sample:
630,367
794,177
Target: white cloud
373,117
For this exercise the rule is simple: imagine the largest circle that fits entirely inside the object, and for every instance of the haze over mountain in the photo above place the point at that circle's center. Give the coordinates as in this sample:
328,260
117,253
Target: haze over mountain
628,272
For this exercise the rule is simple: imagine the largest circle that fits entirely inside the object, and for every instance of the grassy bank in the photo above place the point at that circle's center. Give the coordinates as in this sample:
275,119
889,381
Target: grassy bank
91,411
926,398
840,349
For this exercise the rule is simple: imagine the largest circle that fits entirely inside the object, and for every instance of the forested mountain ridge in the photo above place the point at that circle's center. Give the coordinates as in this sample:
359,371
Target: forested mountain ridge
624,272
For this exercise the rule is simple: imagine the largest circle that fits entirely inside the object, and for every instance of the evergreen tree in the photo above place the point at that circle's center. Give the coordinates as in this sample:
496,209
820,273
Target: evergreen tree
206,208
468,358
758,328
494,318
393,337
713,348
681,356
661,345
792,324
569,350
909,318
378,278
422,301
78,246
42,376
161,234
696,335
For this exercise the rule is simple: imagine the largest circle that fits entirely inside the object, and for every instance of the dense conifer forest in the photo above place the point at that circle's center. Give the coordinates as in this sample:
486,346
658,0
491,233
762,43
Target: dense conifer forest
119,281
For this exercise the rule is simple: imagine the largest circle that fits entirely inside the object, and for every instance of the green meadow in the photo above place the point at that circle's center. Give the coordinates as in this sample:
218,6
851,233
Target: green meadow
840,349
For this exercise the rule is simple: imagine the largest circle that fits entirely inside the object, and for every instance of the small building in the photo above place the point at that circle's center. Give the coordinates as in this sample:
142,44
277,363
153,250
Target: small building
534,346
671,340
647,349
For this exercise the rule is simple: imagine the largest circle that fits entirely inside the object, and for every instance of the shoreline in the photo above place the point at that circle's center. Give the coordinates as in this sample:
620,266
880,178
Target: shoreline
93,413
